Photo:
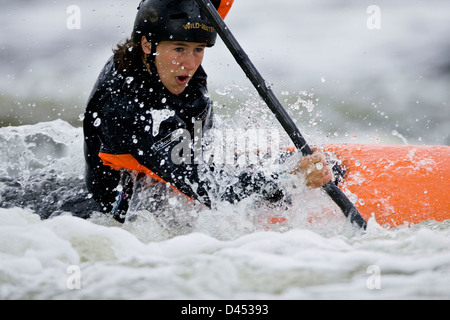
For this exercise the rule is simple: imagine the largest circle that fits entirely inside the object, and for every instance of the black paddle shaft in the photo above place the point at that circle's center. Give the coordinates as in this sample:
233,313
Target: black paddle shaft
275,106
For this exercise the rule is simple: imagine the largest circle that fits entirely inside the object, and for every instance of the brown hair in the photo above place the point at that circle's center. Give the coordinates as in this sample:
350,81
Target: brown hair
127,55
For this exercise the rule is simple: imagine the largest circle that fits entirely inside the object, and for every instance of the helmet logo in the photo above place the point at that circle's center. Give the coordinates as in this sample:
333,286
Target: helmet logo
153,15
197,25
150,14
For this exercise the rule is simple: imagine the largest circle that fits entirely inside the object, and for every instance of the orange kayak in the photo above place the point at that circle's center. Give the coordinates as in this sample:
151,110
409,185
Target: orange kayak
396,184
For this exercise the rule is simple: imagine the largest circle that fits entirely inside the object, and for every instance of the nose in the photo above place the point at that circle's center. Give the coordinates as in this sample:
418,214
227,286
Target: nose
189,62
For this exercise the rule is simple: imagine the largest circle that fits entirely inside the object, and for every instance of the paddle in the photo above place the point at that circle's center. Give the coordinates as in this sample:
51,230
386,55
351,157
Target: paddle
347,207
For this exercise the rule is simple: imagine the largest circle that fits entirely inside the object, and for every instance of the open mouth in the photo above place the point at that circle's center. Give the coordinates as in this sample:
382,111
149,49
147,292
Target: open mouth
183,80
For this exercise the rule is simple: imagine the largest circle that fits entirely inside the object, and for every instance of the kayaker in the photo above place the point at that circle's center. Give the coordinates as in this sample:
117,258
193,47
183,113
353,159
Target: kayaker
153,86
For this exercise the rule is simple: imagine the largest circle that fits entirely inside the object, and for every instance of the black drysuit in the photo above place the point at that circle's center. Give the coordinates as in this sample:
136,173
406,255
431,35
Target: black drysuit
133,116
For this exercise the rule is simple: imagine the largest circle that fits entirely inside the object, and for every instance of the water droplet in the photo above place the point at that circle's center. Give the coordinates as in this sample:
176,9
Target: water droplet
129,80
221,92
97,122
353,198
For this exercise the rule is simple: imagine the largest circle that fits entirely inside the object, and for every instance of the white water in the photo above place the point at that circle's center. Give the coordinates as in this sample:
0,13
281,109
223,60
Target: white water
227,254
388,85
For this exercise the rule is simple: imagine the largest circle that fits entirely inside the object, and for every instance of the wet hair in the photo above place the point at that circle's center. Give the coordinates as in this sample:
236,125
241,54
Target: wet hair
127,56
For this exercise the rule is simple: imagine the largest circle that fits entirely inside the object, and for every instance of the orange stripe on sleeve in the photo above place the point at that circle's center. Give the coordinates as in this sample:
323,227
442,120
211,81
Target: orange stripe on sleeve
127,161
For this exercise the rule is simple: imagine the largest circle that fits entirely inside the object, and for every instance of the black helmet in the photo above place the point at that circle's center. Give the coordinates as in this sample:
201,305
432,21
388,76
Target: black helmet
173,20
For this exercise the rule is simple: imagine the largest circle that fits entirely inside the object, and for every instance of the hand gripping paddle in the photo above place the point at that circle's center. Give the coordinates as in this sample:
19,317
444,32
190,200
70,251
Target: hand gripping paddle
347,207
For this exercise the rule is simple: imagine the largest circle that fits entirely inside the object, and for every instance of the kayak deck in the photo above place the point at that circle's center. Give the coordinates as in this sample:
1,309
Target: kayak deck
396,184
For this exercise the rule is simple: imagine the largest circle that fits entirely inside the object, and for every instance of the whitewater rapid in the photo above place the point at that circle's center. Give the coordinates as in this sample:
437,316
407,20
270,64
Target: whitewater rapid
388,85
227,254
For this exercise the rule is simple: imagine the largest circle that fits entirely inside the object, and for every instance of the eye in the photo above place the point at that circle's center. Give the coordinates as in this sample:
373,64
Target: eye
179,50
199,50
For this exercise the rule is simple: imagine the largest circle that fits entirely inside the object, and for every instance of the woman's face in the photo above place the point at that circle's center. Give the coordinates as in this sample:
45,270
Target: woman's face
176,62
